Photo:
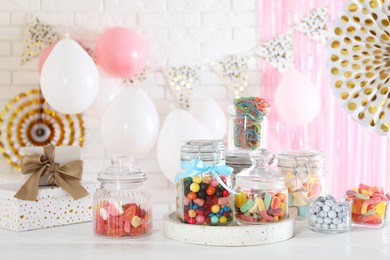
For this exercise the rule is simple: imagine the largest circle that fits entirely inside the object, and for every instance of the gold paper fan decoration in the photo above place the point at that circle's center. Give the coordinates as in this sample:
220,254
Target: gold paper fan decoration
358,62
27,120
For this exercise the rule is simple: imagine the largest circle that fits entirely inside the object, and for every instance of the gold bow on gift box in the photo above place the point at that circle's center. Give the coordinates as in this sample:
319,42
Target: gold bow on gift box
66,176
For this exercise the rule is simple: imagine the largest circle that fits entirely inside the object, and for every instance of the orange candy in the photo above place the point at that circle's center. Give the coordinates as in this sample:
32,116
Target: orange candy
191,195
210,190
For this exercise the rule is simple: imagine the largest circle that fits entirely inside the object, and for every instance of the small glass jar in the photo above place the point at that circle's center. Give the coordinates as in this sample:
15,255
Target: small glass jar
239,161
203,184
304,176
261,193
248,123
370,206
122,206
328,215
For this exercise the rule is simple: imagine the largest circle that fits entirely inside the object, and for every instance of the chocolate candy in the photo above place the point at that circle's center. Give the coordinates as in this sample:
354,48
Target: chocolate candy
328,215
206,203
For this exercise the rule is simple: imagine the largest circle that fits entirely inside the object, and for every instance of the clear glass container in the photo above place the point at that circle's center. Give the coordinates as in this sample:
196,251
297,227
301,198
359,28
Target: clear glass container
203,184
327,215
261,193
370,206
122,207
248,124
239,161
304,176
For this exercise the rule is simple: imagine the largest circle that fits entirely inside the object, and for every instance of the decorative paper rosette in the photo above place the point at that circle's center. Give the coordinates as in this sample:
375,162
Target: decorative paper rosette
27,120
358,62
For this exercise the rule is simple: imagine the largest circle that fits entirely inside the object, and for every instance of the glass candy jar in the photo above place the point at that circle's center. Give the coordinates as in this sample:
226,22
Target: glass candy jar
248,123
261,193
122,207
304,176
239,161
203,184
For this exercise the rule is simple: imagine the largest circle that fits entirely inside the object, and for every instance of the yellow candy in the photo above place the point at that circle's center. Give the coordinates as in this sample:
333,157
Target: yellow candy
194,187
276,218
222,219
215,209
197,179
283,207
380,209
260,204
240,199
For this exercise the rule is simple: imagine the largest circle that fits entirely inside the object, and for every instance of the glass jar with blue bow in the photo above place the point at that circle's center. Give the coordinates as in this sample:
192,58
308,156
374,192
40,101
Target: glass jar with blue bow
203,186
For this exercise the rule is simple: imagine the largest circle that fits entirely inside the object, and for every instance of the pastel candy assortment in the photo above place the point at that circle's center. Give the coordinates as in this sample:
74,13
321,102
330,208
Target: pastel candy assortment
328,215
302,188
262,208
204,201
114,219
369,205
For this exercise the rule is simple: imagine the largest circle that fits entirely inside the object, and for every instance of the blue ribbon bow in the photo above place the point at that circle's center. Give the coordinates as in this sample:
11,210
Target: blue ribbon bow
197,167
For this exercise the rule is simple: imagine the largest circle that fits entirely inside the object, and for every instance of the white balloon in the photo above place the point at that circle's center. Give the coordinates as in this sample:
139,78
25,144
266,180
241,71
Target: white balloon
297,100
109,88
211,115
130,123
69,78
178,126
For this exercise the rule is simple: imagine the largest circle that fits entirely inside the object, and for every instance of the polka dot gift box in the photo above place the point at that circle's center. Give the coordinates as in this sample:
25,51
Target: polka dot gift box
51,193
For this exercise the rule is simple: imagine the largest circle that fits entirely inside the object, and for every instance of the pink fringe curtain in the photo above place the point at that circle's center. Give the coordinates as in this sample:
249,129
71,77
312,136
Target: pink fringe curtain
353,154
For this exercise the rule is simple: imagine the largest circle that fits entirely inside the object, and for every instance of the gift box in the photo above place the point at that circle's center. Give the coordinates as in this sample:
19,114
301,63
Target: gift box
51,194
53,207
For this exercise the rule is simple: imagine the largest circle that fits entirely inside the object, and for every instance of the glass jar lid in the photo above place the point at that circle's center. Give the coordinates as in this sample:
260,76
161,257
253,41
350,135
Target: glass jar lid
206,150
238,158
122,169
293,158
260,175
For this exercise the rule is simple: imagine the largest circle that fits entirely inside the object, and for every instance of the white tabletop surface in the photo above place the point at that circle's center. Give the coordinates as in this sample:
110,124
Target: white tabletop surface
78,242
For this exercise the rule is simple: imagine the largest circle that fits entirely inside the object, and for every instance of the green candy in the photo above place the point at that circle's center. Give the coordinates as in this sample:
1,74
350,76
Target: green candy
267,200
247,205
214,219
362,196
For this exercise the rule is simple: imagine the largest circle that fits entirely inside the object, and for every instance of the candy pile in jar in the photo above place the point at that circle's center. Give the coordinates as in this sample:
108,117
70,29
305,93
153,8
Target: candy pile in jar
304,176
264,207
369,205
206,201
326,214
248,125
112,219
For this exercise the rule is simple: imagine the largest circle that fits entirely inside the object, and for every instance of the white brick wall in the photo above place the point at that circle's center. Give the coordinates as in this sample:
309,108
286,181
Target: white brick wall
178,32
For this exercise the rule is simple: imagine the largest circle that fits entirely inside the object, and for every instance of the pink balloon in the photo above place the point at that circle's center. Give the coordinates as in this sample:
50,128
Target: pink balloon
120,52
43,56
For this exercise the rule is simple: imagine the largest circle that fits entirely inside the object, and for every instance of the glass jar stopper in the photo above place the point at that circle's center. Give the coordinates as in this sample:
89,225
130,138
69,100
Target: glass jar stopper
122,168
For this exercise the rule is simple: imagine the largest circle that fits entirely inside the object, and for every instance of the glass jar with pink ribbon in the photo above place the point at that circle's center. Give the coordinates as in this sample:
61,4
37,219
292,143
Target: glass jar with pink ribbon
203,184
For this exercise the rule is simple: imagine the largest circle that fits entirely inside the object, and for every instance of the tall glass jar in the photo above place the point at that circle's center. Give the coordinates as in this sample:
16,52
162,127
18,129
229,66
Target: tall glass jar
248,123
261,193
304,175
122,206
203,184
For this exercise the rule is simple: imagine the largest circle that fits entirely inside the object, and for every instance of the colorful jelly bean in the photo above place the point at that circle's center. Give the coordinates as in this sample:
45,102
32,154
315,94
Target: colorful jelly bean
202,200
113,219
261,208
369,205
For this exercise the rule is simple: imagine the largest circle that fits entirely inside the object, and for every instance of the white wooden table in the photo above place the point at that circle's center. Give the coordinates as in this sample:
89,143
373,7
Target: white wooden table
78,242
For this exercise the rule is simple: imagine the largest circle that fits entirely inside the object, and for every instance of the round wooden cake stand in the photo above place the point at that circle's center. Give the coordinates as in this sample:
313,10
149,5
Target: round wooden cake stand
231,235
